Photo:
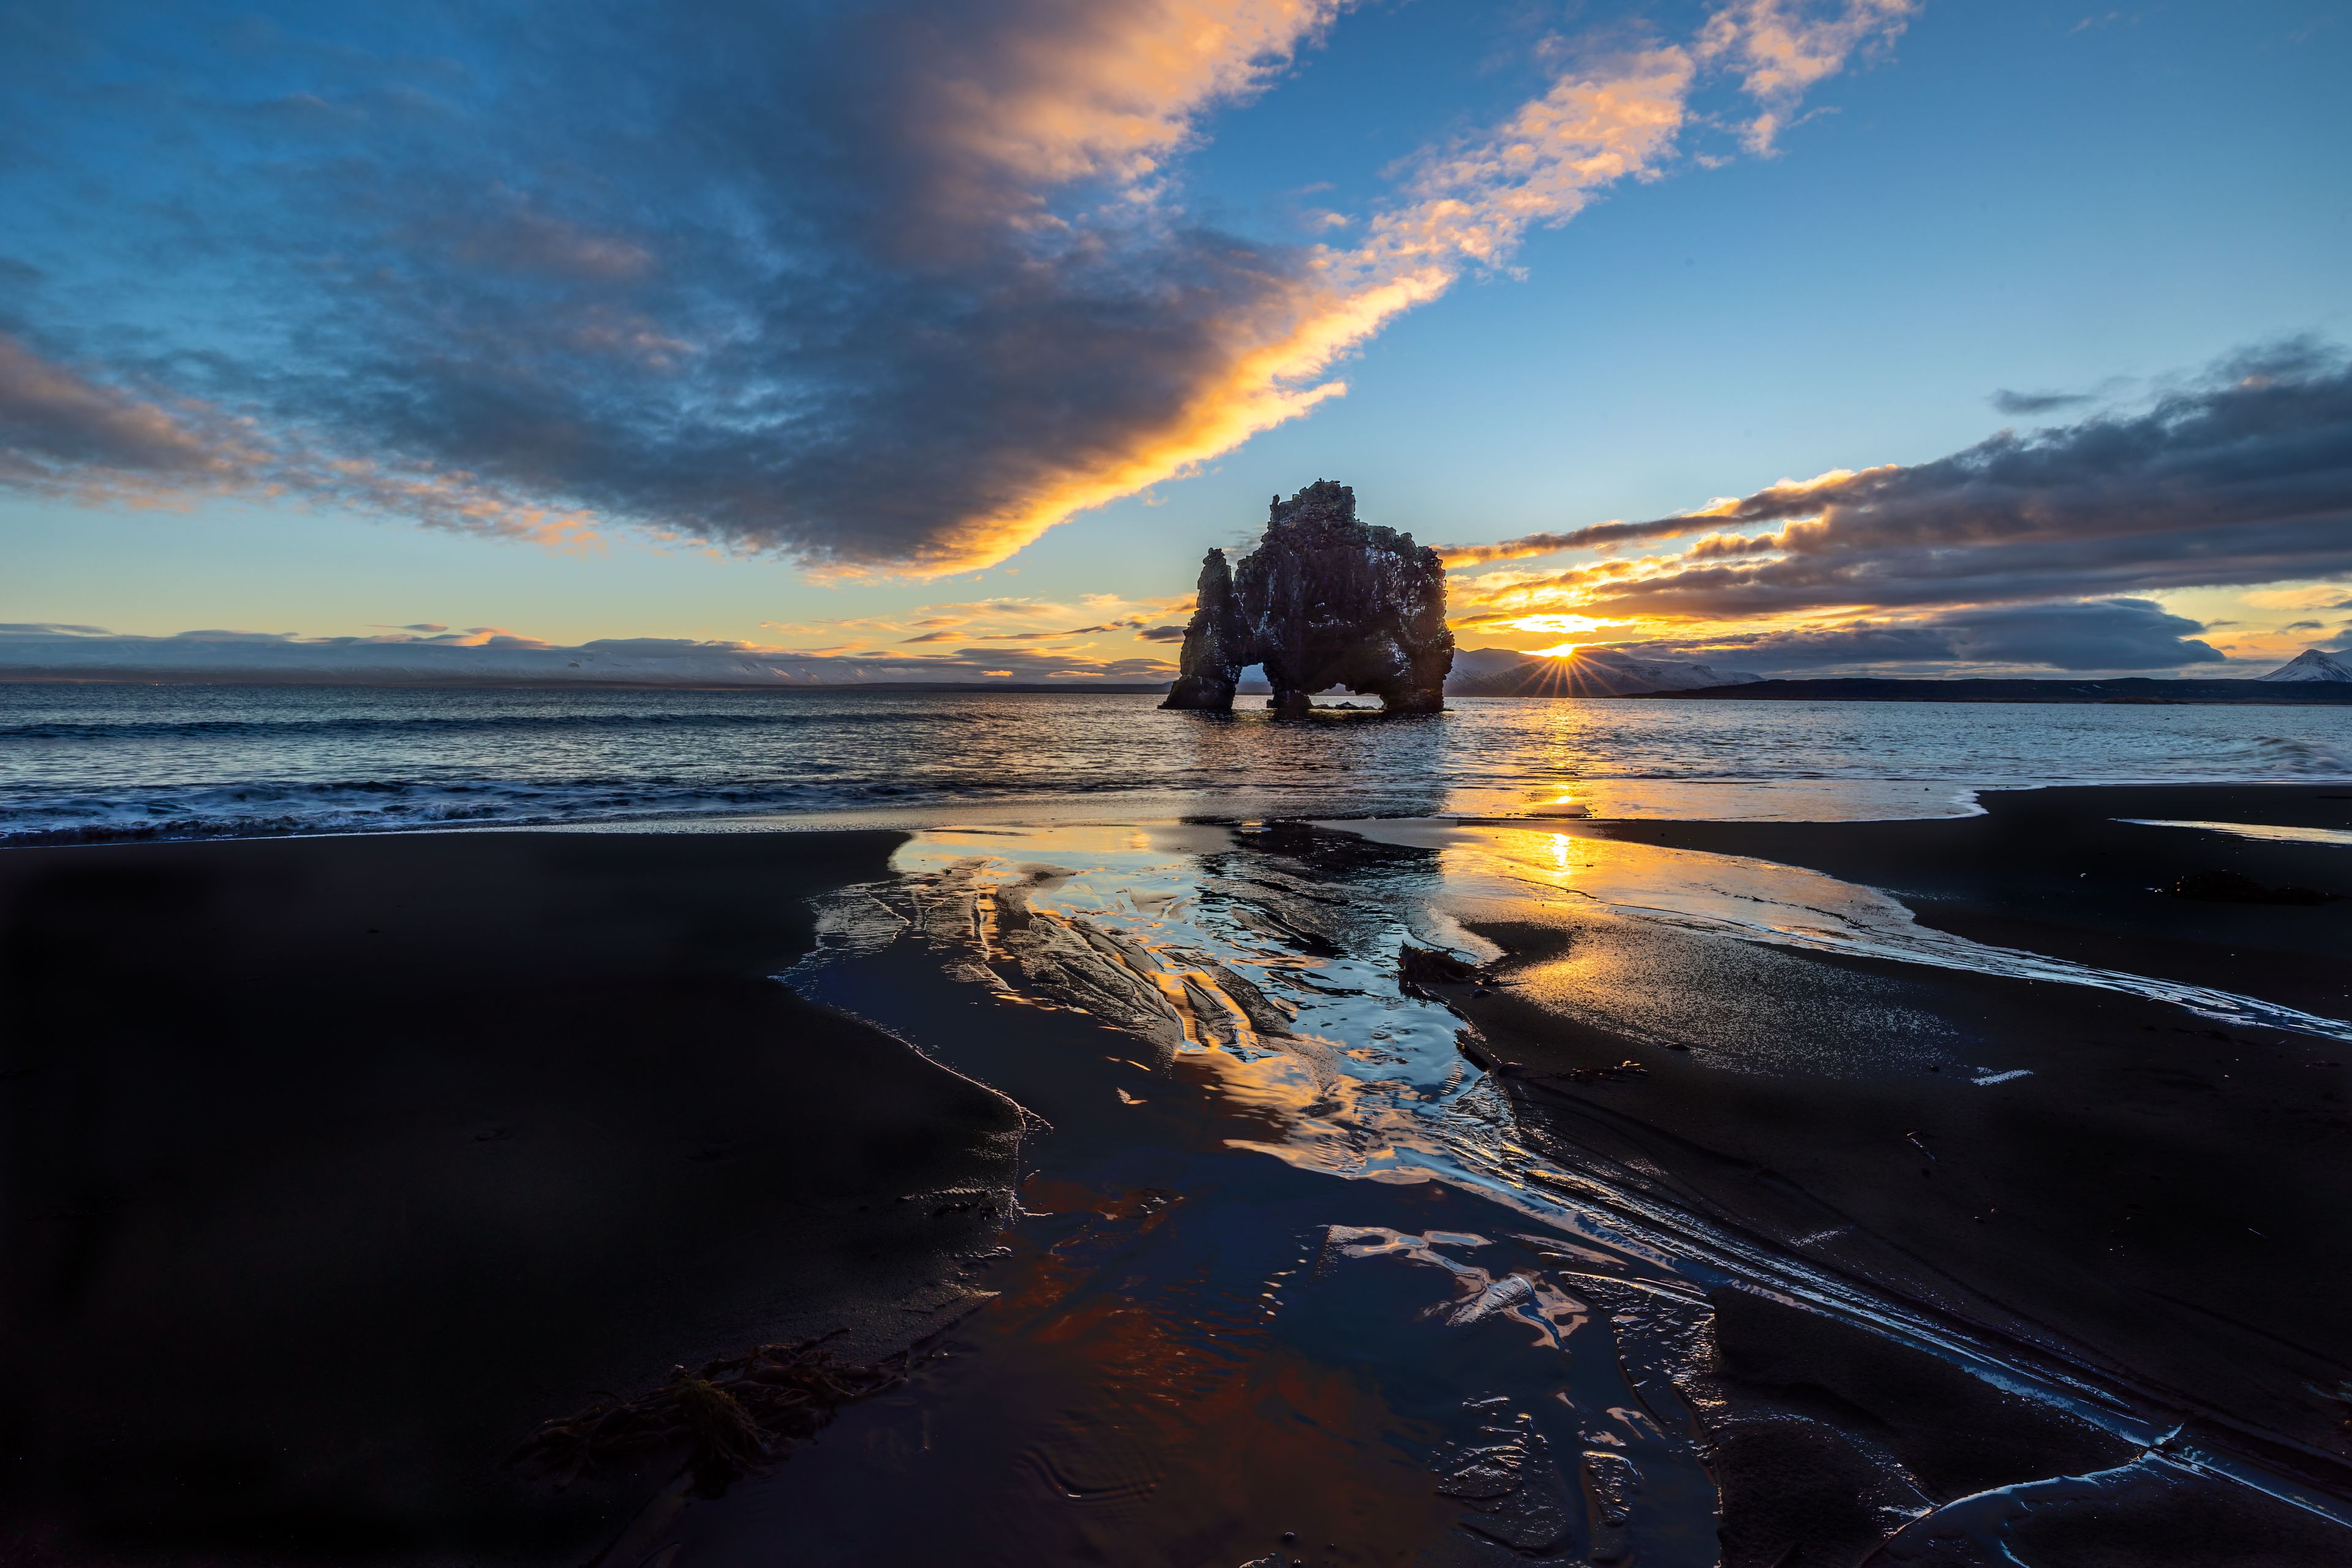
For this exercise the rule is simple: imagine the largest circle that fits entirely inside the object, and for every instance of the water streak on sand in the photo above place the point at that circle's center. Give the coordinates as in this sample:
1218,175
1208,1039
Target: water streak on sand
1286,1258
2260,832
1784,906
1262,1017
1246,967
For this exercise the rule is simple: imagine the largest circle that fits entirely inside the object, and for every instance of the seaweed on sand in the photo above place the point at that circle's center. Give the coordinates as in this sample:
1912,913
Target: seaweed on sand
736,1415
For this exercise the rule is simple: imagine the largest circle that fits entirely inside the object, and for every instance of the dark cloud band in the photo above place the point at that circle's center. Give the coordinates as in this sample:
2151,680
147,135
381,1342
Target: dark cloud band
2106,635
2245,478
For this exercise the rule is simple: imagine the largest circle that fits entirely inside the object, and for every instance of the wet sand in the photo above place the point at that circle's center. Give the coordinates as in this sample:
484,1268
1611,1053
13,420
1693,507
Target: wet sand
2089,1179
372,1152
336,1165
1250,1312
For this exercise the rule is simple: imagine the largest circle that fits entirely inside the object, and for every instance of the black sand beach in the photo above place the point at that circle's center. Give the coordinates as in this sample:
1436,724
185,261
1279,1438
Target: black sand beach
2090,1179
336,1165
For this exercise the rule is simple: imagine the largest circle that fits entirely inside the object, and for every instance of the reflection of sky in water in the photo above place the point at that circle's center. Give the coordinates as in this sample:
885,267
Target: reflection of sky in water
1353,1078
2260,832
1173,1298
1759,901
1252,971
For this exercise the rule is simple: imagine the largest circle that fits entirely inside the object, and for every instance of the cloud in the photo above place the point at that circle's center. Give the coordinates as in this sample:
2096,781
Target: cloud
2306,596
1784,49
66,435
1162,634
56,425
2031,402
1005,619
2243,478
897,286
1597,534
2096,635
492,655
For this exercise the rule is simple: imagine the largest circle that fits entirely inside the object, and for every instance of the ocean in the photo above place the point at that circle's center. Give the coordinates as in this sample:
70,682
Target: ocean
100,764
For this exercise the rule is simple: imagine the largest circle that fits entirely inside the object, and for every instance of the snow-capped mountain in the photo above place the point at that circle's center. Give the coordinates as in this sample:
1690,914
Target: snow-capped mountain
2312,664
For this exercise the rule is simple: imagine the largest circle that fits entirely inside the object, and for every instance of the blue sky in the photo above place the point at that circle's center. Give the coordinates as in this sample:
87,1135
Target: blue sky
578,327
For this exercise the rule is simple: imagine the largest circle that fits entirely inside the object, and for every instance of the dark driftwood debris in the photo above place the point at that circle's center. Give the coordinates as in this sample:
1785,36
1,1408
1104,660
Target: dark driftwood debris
735,1416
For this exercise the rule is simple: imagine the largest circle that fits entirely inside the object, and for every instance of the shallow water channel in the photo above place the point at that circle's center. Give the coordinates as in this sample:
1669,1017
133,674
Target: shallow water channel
1281,1279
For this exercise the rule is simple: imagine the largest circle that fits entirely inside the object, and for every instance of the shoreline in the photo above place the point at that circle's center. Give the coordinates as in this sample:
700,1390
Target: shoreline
1151,804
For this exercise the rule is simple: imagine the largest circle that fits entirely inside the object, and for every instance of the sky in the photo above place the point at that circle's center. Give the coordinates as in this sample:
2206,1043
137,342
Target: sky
939,339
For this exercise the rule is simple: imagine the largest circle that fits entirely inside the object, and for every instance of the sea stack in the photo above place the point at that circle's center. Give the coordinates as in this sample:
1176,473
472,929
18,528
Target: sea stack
1324,600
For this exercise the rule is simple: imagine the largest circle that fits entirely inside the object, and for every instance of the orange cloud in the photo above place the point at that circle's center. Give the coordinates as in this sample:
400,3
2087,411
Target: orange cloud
1470,204
1004,318
1782,52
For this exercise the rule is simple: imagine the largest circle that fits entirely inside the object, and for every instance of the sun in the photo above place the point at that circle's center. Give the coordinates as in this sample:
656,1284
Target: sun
1557,650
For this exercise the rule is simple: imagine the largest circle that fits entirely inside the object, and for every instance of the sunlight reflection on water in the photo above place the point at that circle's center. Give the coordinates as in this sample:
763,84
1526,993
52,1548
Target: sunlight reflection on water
1762,901
93,762
1287,1189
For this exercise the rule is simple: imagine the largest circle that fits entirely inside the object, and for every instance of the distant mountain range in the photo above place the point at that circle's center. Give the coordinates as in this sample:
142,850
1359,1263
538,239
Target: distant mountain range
84,654
2313,676
1588,672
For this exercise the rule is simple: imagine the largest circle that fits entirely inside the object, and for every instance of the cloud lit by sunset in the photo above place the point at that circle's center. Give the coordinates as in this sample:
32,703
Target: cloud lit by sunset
995,277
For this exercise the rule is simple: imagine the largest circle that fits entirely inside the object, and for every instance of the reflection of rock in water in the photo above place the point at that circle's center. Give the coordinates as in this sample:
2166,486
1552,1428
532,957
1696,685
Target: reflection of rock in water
1323,601
1049,958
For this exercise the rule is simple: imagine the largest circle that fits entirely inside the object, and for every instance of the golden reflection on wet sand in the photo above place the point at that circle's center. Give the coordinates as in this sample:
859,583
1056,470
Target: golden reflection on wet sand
1503,873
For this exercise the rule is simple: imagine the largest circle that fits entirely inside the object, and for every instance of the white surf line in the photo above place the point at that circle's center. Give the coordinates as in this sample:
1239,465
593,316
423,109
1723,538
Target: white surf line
1992,1078
2260,831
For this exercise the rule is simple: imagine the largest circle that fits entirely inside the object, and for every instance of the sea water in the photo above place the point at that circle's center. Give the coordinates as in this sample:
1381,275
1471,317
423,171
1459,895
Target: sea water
92,763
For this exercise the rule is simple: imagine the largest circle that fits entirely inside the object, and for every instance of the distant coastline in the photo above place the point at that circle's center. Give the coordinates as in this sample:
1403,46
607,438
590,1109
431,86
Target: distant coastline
2134,688
342,680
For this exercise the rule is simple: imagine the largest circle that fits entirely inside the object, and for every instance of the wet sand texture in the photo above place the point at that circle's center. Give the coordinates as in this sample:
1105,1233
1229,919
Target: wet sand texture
2055,871
2155,1199
334,1166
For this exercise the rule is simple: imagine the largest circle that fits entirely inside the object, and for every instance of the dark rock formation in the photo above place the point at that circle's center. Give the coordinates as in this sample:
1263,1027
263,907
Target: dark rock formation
1216,643
1323,601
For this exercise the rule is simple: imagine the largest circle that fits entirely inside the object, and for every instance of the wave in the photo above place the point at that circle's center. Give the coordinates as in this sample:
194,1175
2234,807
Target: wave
327,725
2303,756
376,805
